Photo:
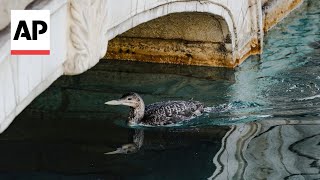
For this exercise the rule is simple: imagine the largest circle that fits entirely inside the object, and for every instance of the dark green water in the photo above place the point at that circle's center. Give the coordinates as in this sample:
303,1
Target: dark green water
263,119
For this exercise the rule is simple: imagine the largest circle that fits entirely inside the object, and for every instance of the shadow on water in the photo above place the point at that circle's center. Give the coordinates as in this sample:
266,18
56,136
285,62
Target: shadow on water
261,121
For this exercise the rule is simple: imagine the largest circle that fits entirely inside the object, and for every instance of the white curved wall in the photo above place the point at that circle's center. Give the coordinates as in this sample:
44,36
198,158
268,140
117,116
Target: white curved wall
25,77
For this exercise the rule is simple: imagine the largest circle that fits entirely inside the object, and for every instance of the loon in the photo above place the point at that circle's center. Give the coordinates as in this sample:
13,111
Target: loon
156,114
160,113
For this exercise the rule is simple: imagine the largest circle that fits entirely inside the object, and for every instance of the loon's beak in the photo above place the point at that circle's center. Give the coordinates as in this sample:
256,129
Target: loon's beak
118,102
114,102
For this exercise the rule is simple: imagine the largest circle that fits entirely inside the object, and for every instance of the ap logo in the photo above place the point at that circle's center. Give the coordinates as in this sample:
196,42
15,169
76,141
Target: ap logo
30,32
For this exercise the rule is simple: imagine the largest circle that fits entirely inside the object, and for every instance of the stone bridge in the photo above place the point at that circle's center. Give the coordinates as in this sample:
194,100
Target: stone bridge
194,32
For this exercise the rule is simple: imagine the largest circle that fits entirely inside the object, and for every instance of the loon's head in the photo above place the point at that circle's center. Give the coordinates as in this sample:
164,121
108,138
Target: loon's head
130,99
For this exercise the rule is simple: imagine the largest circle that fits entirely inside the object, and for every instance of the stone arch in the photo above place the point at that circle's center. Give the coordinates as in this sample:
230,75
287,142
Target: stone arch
135,26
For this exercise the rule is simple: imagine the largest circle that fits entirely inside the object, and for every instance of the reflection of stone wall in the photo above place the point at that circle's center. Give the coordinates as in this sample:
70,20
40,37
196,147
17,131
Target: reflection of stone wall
284,151
229,160
270,150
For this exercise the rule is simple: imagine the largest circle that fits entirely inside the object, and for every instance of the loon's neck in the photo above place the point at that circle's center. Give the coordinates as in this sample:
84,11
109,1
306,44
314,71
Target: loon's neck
136,113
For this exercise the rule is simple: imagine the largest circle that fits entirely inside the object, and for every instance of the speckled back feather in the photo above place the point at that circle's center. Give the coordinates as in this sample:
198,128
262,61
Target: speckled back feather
171,112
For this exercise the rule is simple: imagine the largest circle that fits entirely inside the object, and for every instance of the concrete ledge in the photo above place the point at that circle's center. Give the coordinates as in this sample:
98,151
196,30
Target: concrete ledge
171,51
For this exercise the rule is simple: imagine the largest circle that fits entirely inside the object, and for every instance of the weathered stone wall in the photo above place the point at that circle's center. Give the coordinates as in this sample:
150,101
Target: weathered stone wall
176,38
179,38
242,20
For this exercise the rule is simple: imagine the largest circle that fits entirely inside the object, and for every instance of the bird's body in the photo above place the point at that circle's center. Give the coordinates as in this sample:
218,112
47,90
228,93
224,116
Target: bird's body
171,112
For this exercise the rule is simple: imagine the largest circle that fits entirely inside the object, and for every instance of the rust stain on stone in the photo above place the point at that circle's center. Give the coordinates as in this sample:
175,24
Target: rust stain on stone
253,51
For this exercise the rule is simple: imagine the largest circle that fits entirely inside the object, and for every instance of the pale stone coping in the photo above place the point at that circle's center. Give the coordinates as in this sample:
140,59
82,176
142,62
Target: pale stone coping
32,95
136,17
150,5
52,5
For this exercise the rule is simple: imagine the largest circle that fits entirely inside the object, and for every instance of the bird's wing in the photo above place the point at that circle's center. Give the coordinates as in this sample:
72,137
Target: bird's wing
170,112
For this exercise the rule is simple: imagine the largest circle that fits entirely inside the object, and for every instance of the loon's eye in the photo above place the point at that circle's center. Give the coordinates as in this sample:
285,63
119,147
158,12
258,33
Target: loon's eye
129,99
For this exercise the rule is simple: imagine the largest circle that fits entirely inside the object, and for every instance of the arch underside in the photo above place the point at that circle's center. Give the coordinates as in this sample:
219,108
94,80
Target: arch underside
191,38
